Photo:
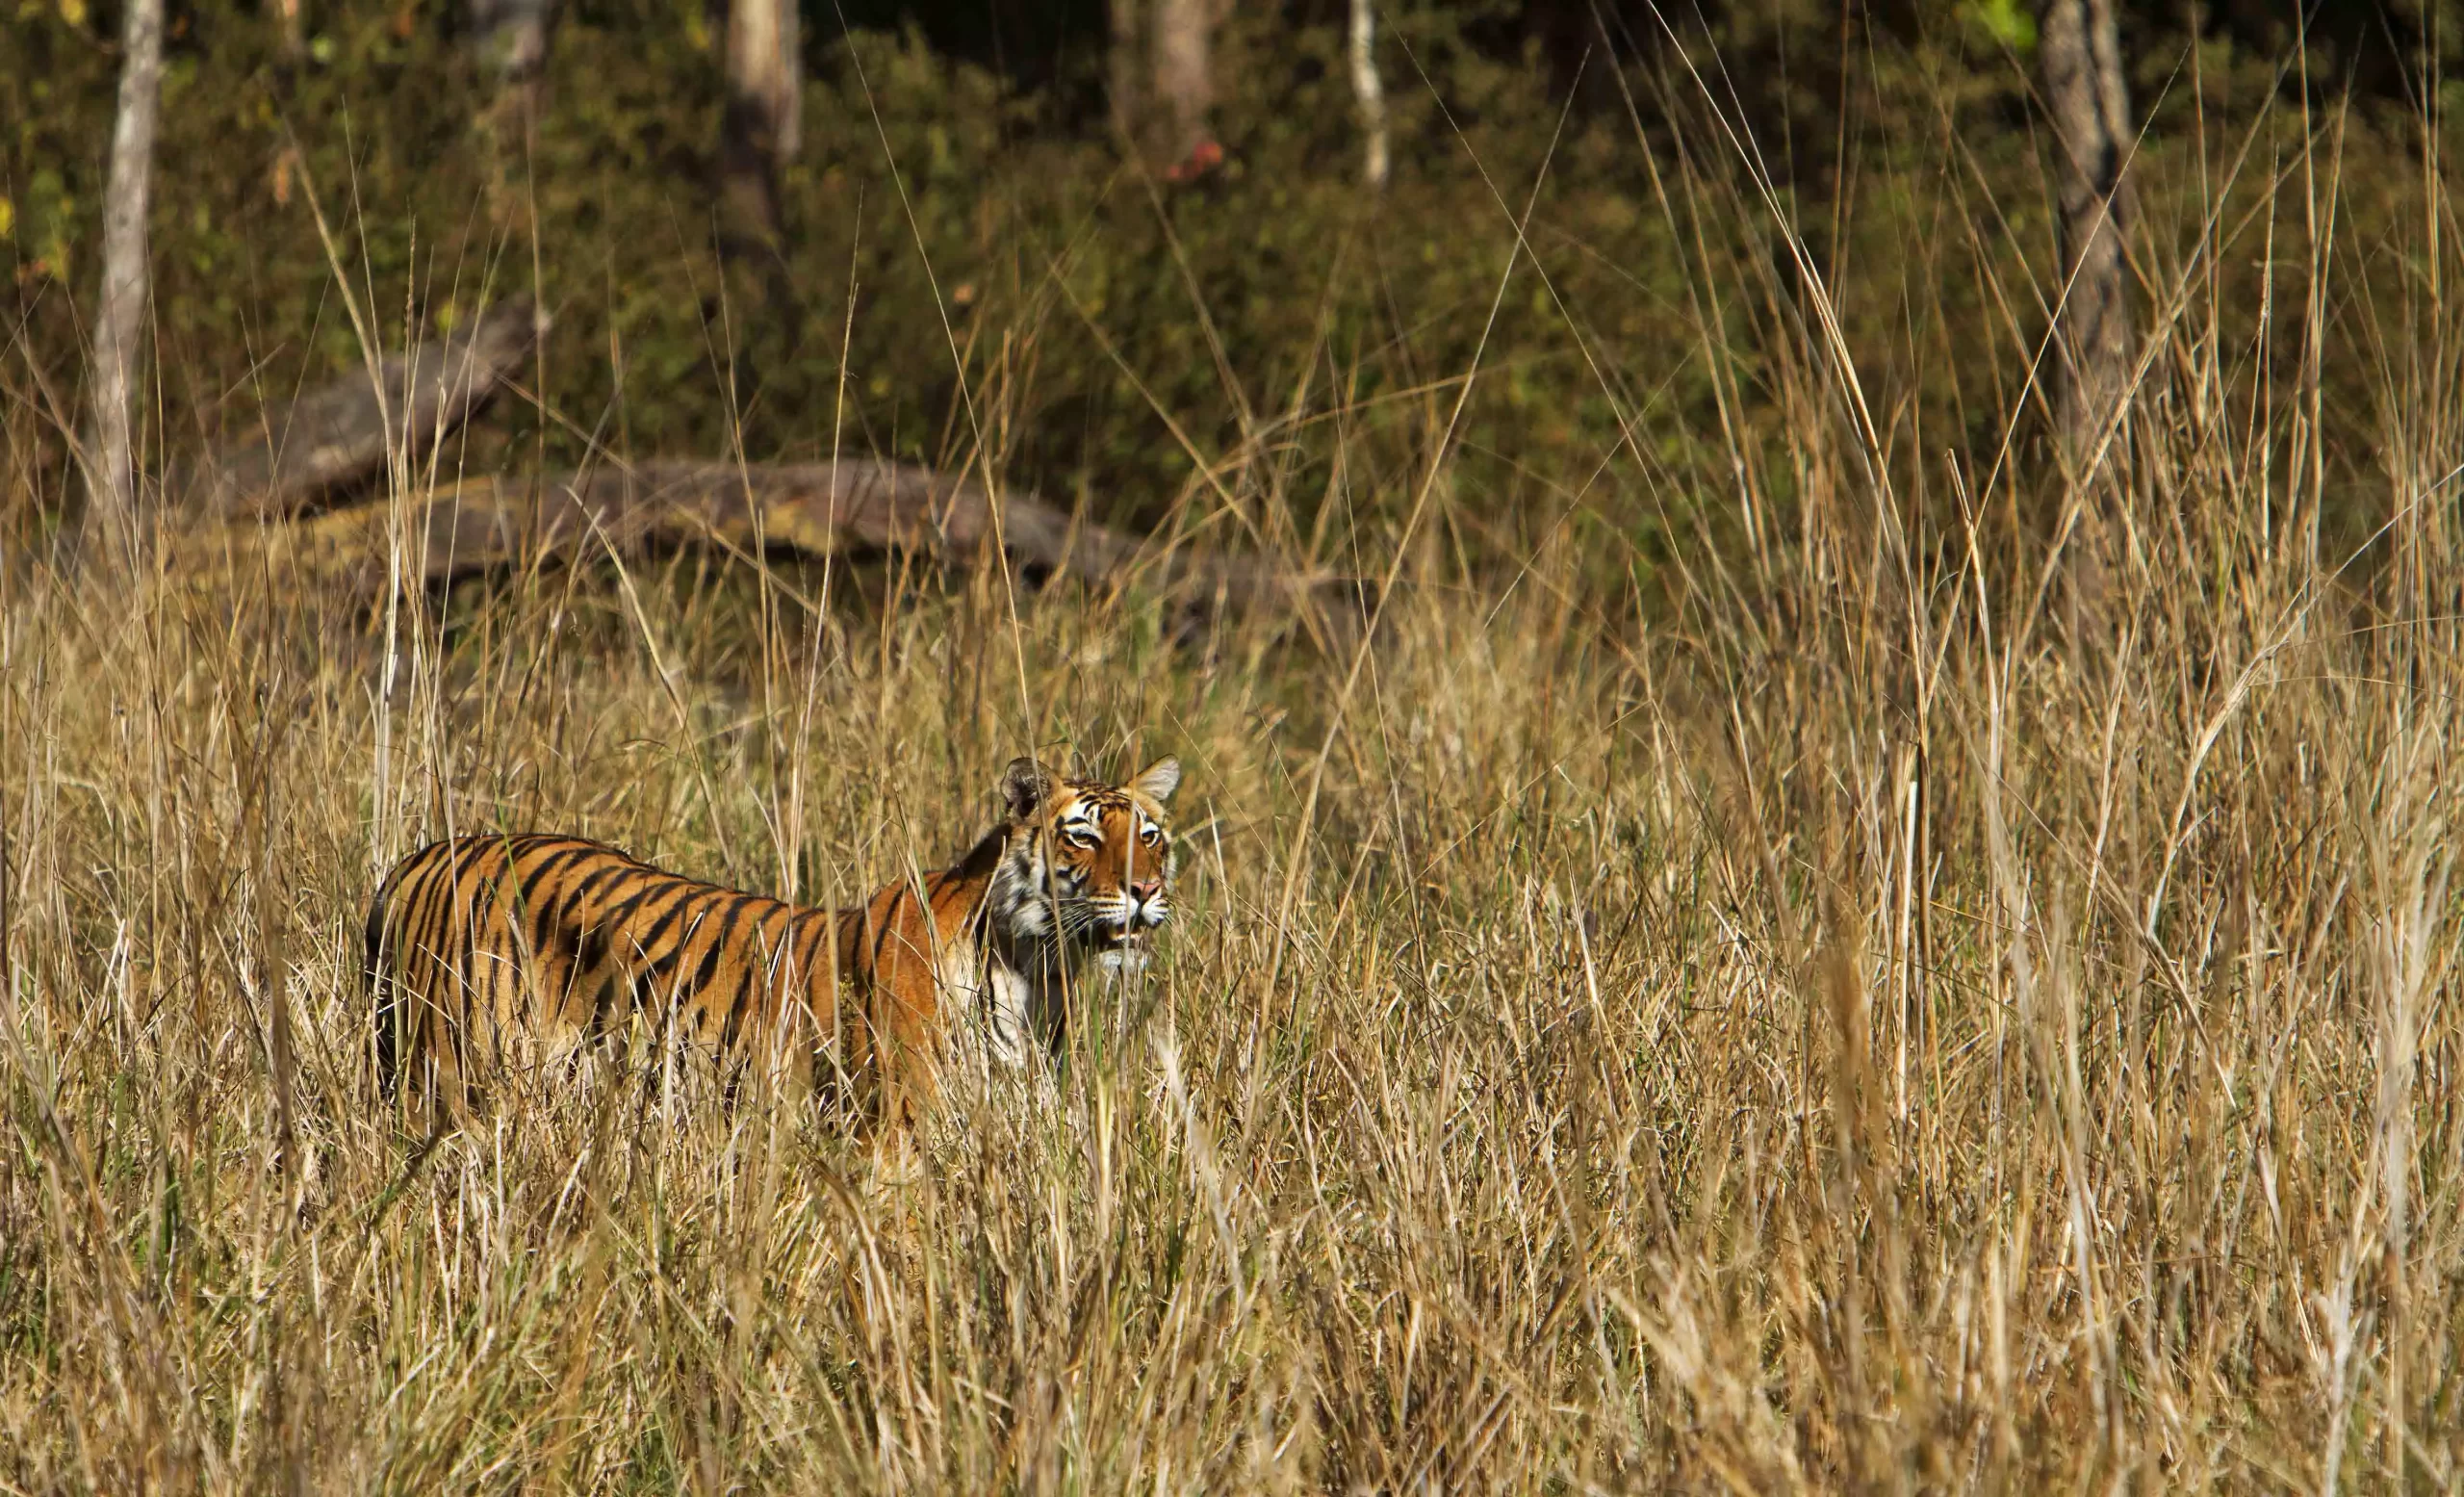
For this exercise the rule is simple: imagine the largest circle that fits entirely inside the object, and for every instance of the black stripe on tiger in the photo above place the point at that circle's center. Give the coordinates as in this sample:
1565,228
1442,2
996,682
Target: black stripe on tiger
475,946
474,941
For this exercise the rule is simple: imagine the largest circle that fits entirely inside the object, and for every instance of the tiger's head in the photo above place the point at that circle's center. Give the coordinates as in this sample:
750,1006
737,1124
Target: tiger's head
1088,865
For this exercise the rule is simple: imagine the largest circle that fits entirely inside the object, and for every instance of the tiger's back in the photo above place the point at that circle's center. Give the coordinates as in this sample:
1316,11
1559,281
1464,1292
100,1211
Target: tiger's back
502,952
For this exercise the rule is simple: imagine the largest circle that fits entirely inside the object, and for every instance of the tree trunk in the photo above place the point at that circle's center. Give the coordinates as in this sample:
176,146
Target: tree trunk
2090,110
1127,81
113,499
765,75
1185,86
759,135
1370,92
511,38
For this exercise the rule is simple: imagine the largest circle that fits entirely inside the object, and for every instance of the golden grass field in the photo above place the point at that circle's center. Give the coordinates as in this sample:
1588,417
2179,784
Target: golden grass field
1843,1008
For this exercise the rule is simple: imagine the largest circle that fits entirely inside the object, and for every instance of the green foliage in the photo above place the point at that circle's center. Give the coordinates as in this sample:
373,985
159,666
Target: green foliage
978,271
2008,22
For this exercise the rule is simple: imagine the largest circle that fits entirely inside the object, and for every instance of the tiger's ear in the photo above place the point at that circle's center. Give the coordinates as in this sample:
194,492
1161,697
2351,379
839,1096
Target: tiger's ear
1025,785
1158,780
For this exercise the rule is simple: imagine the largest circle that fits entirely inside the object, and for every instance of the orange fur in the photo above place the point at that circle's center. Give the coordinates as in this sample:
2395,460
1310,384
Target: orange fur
502,951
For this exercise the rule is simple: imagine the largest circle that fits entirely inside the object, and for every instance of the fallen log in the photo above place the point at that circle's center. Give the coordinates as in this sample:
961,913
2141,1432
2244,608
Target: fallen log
815,509
343,431
245,501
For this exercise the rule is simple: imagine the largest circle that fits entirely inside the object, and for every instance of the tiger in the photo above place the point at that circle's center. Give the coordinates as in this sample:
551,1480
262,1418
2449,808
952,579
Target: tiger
486,948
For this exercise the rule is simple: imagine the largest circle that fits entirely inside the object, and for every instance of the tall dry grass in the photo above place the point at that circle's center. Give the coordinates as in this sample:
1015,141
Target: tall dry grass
1830,1007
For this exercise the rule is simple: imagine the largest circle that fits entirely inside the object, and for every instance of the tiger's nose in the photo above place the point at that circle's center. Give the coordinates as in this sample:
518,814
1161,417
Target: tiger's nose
1143,889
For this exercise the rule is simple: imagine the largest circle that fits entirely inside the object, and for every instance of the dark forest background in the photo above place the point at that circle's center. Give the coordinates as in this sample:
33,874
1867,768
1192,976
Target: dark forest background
970,256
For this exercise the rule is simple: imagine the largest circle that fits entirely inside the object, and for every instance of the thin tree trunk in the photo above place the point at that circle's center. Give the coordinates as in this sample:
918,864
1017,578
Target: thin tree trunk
1127,80
511,38
113,501
1370,92
2091,108
1185,85
765,76
759,135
